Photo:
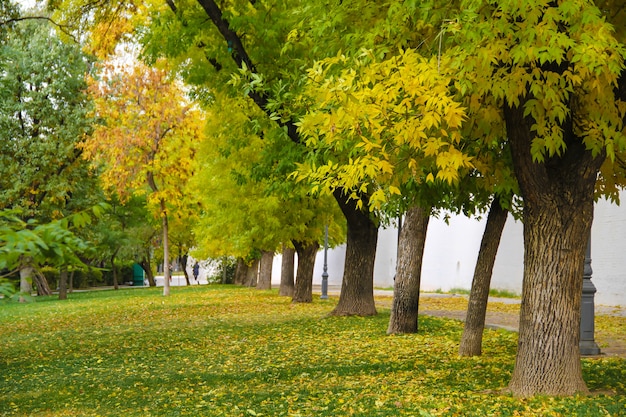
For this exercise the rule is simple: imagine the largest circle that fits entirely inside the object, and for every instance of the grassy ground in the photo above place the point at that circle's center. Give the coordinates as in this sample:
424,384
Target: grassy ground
224,351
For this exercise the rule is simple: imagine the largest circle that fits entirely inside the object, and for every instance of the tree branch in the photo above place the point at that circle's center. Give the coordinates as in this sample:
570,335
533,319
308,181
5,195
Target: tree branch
62,28
172,6
242,59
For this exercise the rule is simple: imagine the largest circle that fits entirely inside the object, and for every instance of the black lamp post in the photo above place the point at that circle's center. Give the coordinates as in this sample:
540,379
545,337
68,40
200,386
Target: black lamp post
324,295
587,344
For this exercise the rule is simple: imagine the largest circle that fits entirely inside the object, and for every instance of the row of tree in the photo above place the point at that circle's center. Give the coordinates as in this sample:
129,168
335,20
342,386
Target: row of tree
390,108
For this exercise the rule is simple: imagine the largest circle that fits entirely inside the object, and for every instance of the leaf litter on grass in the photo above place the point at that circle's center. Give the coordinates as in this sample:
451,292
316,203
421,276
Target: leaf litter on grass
227,351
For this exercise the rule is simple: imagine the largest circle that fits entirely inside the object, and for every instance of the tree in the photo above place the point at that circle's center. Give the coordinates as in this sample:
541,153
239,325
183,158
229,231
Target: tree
391,128
271,80
555,73
246,211
145,138
52,243
471,341
43,114
287,272
265,271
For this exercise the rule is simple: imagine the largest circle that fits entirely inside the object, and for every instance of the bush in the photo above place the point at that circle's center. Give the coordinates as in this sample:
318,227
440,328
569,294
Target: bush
226,265
124,274
83,278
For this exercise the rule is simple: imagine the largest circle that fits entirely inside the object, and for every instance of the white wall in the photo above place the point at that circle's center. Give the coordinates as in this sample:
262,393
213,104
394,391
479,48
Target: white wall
451,251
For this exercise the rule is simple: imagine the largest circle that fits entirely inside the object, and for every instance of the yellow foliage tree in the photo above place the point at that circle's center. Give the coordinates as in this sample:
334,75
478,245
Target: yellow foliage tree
384,123
144,141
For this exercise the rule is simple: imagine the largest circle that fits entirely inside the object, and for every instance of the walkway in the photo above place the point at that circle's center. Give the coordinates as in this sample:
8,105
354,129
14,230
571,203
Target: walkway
503,313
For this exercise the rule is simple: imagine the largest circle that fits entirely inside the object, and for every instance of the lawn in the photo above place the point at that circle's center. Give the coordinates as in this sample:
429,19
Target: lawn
227,351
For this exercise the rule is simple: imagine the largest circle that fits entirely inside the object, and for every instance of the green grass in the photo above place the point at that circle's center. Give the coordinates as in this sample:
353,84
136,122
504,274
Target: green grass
225,351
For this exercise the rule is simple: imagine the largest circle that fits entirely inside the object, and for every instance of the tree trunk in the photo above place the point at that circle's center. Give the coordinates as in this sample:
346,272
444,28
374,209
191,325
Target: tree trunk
357,286
42,284
166,252
286,272
265,271
406,288
114,270
184,259
252,274
303,290
26,279
472,339
147,267
241,271
71,282
558,210
63,283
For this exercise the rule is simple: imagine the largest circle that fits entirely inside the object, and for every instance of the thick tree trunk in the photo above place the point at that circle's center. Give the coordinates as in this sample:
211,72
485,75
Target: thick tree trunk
252,274
303,290
147,267
472,339
42,284
406,288
286,272
241,271
265,271
357,286
63,283
26,279
558,211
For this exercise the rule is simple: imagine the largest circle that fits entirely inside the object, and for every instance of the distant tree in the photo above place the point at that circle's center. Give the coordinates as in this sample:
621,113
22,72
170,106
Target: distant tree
246,207
43,115
144,139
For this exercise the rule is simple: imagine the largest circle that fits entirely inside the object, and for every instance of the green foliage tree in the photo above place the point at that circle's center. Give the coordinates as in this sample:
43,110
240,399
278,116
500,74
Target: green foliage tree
244,52
122,233
245,210
53,243
43,114
384,129
552,74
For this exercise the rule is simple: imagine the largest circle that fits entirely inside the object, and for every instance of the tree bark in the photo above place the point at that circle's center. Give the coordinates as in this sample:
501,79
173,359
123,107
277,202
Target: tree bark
406,288
147,267
42,283
252,274
26,279
70,284
303,289
63,283
357,286
166,252
287,272
265,271
184,259
472,339
241,271
558,210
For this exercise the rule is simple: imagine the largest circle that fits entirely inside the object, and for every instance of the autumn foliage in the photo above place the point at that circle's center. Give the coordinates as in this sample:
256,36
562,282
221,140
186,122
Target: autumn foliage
144,141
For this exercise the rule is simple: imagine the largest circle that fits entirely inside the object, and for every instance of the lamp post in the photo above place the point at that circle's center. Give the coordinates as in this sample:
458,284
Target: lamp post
324,295
587,344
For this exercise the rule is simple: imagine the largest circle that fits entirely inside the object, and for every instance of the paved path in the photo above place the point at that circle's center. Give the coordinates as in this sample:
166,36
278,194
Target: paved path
610,344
